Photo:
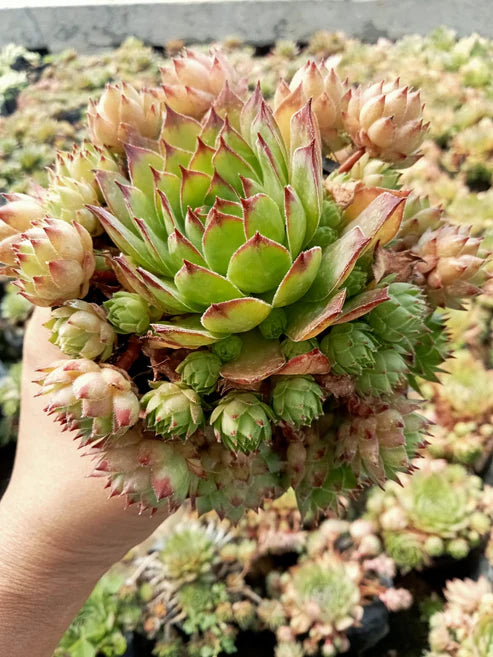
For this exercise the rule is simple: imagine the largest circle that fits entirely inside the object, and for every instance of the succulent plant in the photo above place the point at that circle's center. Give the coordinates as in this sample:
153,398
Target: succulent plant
440,510
14,308
128,312
377,442
80,329
350,348
55,262
469,443
451,265
418,217
200,370
297,400
240,421
191,599
103,622
465,626
272,309
96,400
328,94
401,318
464,392
10,401
386,120
173,410
373,173
195,80
122,106
321,592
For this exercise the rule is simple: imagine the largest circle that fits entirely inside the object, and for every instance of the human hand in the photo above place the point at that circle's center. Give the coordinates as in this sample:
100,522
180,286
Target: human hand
59,530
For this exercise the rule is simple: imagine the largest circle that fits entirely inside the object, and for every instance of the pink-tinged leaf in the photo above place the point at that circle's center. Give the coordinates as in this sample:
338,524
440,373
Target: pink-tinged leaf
229,165
186,332
338,260
303,129
219,188
290,104
202,158
362,197
129,134
362,304
228,207
237,144
160,293
124,239
314,362
381,219
307,320
236,316
204,287
140,161
142,206
194,229
175,158
166,294
211,127
272,172
265,127
112,194
170,185
306,179
259,359
224,234
156,247
259,265
181,249
299,278
229,106
262,215
179,130
7,254
250,187
249,112
166,211
295,220
64,271
194,186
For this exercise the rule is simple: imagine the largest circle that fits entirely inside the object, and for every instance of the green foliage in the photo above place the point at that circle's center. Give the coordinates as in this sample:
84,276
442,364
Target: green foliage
100,625
10,397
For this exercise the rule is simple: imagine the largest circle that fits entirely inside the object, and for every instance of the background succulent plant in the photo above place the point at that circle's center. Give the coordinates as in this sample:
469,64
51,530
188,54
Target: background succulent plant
442,510
450,185
196,585
465,626
213,231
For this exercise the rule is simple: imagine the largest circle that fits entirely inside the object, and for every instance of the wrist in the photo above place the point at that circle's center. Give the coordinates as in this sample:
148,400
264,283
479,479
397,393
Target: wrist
42,584
33,550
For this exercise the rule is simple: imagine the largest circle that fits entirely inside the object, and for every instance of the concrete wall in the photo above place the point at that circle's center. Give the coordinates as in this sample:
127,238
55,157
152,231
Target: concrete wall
94,24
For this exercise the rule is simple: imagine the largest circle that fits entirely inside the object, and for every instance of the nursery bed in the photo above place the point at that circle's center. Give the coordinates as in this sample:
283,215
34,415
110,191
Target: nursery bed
44,110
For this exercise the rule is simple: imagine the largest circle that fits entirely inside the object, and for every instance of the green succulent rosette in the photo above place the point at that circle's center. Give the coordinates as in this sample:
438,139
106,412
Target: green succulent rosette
406,549
200,371
173,410
350,348
242,422
128,312
441,510
80,329
297,400
276,313
401,318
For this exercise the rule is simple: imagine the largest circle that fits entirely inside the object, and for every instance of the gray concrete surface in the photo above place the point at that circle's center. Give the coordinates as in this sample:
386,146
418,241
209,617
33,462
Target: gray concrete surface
94,24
